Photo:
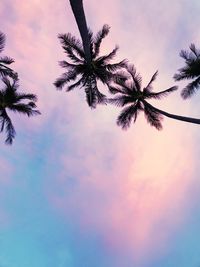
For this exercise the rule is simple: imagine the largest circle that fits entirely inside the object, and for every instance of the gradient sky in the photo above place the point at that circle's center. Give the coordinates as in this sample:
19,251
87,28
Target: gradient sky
76,190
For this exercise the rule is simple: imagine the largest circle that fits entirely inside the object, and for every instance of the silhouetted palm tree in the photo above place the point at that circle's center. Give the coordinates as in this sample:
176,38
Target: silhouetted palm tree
5,61
130,94
11,100
190,71
87,74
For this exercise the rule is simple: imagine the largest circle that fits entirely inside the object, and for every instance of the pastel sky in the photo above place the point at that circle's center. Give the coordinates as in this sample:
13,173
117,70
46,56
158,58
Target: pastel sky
76,190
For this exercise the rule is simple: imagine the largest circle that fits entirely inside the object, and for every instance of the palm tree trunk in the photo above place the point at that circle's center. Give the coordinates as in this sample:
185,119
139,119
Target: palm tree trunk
173,116
78,11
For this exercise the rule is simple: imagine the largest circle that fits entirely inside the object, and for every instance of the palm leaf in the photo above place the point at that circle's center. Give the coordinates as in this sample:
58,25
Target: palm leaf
70,41
127,115
161,94
6,121
121,100
24,109
105,59
98,39
191,88
6,60
2,41
65,78
194,50
149,87
153,117
137,79
74,85
24,96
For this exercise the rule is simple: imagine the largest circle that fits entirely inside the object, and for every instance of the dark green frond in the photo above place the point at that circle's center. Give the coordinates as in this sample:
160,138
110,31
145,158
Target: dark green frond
127,115
98,39
153,117
161,94
191,88
65,78
2,41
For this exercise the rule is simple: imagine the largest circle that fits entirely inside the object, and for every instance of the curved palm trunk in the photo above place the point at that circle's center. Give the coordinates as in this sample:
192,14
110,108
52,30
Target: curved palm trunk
173,116
78,11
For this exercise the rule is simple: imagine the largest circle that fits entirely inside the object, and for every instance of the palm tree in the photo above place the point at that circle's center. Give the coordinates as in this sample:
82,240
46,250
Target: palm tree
131,96
11,100
190,71
87,74
4,61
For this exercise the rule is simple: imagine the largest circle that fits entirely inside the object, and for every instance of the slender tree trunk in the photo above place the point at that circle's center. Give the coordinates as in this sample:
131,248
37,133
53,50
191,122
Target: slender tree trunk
172,116
78,11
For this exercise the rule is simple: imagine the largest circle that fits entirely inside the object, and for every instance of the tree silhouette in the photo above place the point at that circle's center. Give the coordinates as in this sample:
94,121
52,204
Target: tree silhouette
4,60
190,71
87,74
11,100
131,96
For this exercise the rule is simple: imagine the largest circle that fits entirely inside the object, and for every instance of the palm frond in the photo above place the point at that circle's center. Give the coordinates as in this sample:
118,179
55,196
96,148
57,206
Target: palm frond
6,60
137,79
105,59
101,98
195,50
149,87
7,124
26,109
161,94
70,41
127,115
116,66
72,56
65,78
24,96
153,117
91,97
114,89
121,100
98,39
2,41
74,85
184,54
191,88
67,65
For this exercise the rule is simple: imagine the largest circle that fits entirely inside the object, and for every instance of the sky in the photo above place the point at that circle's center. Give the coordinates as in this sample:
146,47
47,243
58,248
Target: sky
76,190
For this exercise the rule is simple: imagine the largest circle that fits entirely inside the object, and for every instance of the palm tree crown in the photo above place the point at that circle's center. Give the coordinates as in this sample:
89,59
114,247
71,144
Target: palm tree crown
87,74
11,100
131,95
4,60
190,71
